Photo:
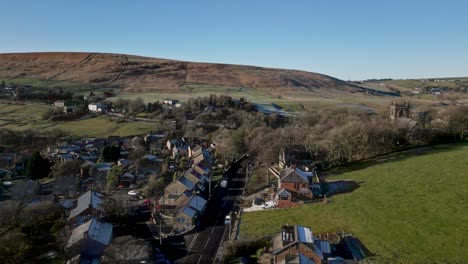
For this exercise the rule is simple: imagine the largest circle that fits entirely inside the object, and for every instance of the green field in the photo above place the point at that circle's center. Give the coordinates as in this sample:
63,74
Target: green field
410,208
29,116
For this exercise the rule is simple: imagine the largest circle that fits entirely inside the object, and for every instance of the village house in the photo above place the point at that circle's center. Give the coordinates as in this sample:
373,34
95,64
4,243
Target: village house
59,103
89,205
203,158
178,148
87,169
89,239
298,241
296,156
194,151
177,188
97,107
170,101
295,186
24,190
186,217
126,179
7,160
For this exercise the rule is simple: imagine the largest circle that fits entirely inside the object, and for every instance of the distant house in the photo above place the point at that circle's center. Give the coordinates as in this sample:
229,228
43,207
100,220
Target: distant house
176,188
127,179
296,156
88,205
7,160
66,186
178,148
170,101
298,241
195,151
153,138
296,186
24,190
97,107
59,103
184,219
87,169
202,169
203,158
198,179
89,239
69,109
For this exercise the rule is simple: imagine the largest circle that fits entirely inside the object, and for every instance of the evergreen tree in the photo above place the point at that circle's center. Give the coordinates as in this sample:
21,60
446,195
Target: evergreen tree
37,167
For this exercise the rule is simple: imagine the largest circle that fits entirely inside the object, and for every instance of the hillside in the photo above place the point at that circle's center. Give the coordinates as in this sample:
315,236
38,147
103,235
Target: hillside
143,74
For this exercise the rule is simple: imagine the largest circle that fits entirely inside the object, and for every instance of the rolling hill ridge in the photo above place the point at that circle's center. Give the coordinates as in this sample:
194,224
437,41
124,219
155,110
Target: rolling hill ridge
131,73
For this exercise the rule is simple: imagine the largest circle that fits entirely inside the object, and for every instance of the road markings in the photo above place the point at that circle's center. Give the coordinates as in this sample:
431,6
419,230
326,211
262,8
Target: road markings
192,243
199,258
206,244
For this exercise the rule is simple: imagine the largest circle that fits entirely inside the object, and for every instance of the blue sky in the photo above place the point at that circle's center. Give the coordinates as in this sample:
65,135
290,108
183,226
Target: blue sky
348,39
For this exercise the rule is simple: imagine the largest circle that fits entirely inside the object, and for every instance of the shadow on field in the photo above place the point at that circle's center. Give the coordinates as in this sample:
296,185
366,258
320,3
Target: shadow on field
394,156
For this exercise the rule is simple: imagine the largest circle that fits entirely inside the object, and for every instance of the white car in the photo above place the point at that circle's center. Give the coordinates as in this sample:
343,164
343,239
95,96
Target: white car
269,205
227,220
133,193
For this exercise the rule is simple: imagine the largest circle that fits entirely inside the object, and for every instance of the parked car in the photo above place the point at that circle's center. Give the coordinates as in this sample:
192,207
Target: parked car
133,193
269,205
227,220
224,183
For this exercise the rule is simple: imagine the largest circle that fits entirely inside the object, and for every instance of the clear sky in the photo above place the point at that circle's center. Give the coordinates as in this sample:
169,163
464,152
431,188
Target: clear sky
348,39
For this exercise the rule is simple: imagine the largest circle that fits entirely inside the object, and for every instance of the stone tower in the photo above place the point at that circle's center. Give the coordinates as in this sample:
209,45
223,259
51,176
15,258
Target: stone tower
398,110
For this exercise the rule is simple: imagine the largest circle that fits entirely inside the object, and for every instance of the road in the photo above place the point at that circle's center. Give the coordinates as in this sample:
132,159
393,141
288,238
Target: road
203,246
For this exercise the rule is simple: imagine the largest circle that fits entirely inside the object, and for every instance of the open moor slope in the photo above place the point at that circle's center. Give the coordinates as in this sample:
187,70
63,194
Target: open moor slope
143,74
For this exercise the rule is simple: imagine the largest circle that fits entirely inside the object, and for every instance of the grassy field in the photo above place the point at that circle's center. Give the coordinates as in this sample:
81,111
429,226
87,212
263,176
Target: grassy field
29,116
409,209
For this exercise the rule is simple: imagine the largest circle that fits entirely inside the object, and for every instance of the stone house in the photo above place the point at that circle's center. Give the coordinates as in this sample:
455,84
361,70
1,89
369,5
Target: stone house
89,239
89,205
294,241
24,190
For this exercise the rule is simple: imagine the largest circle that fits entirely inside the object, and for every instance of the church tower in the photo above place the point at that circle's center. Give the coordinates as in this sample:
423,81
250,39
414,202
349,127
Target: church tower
400,110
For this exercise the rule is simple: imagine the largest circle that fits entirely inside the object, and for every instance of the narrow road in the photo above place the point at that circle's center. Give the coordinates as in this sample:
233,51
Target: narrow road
203,246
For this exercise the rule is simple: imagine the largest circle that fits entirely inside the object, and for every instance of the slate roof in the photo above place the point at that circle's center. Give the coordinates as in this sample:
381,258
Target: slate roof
127,175
186,182
87,200
304,234
66,184
95,230
190,212
406,123
304,176
197,203
24,188
323,245
204,156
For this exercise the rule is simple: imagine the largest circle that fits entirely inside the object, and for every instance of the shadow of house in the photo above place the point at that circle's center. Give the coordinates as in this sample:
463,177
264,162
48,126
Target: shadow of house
339,186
